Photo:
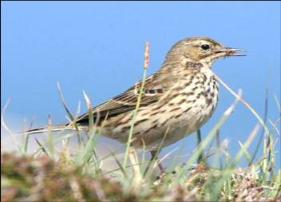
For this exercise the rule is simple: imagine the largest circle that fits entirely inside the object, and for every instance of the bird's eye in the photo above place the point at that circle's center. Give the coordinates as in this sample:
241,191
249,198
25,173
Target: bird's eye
205,46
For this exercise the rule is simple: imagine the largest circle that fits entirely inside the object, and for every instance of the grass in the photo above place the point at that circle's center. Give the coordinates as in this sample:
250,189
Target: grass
52,174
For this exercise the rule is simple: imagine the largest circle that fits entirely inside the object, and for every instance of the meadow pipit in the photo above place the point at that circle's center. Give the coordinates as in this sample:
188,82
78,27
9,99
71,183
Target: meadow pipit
176,101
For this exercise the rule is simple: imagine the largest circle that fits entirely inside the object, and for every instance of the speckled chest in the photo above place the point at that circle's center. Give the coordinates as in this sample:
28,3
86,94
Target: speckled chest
198,90
204,89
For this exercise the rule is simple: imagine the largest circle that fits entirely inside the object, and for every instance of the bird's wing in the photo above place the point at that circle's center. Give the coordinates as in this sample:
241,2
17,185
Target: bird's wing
127,101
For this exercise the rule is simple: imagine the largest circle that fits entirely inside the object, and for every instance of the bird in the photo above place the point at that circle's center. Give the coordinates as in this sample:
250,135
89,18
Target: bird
176,101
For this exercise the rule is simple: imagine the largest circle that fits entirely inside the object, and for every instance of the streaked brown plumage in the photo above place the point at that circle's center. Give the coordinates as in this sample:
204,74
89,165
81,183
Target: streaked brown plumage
177,100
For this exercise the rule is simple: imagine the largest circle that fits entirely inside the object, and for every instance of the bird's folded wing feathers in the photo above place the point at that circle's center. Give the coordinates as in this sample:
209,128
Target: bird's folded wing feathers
126,101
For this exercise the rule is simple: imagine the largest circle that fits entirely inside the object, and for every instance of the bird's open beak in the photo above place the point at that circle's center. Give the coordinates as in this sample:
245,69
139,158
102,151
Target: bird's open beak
232,52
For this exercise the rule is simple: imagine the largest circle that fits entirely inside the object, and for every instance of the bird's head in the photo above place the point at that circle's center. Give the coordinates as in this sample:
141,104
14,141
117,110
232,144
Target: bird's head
201,49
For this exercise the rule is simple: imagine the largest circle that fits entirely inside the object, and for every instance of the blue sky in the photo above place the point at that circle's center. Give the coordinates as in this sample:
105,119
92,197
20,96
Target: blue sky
98,47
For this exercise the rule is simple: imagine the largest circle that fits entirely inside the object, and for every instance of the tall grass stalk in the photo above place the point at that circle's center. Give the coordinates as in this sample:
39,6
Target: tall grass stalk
50,142
5,126
87,153
146,64
71,117
262,132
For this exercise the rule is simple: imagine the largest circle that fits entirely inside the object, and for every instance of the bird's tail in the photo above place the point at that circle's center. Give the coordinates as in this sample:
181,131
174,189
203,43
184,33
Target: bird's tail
53,129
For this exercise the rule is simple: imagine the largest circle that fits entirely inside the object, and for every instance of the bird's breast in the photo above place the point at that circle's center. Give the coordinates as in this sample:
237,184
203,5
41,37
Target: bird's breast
193,102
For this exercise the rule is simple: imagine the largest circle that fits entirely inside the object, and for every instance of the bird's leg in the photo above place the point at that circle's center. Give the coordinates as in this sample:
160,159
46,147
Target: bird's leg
154,156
